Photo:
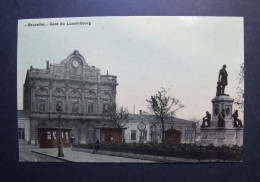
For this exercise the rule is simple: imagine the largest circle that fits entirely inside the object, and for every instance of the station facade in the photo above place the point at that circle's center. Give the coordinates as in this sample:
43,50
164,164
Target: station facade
83,93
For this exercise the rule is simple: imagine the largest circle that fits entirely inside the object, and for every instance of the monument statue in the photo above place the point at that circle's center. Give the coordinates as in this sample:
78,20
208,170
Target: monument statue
222,80
207,119
218,89
237,122
221,118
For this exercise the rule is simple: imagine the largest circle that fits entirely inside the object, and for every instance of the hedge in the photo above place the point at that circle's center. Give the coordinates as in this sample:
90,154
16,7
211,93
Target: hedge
174,150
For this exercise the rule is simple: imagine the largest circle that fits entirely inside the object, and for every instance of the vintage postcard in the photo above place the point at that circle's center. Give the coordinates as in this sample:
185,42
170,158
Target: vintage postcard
159,89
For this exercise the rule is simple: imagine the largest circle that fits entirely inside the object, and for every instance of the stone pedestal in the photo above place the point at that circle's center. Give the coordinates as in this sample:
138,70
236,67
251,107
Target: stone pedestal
227,135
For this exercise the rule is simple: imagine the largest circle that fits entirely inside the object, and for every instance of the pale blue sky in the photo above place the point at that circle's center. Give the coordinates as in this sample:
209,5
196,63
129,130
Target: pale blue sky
181,54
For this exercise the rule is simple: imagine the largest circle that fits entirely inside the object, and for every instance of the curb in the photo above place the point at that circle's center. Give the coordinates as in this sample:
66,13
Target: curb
164,159
65,160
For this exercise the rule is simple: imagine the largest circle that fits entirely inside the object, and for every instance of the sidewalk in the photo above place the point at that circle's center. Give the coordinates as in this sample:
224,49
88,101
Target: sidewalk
79,156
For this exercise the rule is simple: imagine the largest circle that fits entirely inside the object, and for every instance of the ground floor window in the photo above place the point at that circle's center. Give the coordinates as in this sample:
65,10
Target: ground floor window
145,135
133,134
188,136
21,133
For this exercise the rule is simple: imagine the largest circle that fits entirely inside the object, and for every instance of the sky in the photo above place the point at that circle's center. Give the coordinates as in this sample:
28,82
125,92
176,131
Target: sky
181,54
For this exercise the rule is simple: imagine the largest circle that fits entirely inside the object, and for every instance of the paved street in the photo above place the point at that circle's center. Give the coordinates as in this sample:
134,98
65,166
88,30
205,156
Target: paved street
77,156
25,155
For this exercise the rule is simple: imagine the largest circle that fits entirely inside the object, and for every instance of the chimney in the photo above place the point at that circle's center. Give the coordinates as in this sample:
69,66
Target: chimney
140,112
47,65
31,67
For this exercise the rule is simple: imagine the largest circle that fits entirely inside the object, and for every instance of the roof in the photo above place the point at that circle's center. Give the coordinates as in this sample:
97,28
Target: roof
109,126
172,130
153,118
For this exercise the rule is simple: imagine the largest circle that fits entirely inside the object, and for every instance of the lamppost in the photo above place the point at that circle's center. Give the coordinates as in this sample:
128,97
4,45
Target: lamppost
59,113
141,127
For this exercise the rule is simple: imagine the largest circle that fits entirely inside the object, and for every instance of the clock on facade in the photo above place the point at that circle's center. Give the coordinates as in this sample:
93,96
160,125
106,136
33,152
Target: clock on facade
75,63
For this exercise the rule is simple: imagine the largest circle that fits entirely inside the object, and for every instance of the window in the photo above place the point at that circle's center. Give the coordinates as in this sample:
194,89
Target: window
59,103
21,133
190,137
145,135
41,104
133,134
160,135
90,107
66,135
179,127
186,136
48,135
75,105
105,107
54,135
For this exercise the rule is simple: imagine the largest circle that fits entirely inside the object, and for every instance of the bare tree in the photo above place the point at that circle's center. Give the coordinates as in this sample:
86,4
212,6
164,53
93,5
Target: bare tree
239,100
163,107
117,116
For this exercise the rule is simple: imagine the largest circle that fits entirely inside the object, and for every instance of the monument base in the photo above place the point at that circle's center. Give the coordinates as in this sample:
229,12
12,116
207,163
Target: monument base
221,136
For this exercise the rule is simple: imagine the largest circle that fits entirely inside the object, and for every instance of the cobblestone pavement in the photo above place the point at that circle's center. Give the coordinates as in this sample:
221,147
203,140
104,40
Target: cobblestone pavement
77,156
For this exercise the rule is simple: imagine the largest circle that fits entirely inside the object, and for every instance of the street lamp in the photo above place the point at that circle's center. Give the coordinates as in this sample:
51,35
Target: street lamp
141,127
59,113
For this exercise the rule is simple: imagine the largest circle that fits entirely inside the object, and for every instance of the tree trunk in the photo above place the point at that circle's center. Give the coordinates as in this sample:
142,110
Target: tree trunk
163,132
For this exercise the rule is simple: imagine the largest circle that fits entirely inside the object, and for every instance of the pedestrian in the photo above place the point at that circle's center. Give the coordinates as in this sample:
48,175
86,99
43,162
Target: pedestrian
97,143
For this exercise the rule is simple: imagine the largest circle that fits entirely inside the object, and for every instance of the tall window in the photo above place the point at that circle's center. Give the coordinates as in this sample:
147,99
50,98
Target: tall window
21,133
59,103
133,134
90,107
105,107
188,136
75,105
42,104
145,135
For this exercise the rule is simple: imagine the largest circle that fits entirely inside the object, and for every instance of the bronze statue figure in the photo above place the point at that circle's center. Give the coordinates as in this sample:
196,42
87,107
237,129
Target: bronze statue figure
207,119
237,122
222,79
221,118
218,89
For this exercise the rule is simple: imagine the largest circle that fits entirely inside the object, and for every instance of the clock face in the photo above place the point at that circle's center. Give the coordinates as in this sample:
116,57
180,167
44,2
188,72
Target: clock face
75,63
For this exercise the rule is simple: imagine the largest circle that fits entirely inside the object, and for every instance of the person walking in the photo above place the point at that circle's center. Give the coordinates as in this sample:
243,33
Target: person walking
97,144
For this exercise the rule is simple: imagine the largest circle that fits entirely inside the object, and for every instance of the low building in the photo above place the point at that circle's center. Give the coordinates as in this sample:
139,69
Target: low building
132,133
186,127
173,136
111,134
23,126
153,130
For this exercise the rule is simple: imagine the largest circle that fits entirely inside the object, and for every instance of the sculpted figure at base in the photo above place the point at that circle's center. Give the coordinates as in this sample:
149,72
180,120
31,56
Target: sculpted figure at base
222,79
221,118
207,119
237,122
